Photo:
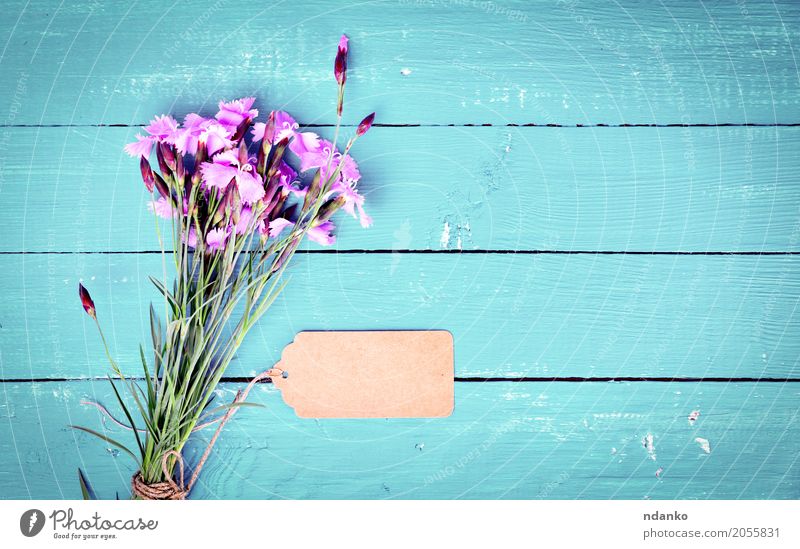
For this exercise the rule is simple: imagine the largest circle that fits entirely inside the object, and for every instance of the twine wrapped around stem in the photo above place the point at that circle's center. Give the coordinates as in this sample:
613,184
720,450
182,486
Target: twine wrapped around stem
171,490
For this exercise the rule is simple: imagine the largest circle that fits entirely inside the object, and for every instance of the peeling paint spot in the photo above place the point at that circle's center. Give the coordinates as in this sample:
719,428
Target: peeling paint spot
405,71
419,446
659,471
693,416
444,240
648,443
704,444
613,451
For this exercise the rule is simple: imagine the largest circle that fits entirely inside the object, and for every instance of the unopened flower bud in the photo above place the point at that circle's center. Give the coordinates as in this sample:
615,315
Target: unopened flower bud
180,172
147,174
162,163
168,151
86,301
365,125
340,63
329,208
161,185
241,129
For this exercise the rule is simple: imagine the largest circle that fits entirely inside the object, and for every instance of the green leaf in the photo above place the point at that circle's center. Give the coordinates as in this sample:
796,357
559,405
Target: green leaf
166,293
86,489
128,415
151,395
107,439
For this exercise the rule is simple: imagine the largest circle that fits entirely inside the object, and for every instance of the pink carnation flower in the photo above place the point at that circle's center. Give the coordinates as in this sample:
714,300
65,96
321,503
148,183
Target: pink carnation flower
233,113
285,127
225,168
321,233
245,217
197,129
353,202
161,128
277,225
216,239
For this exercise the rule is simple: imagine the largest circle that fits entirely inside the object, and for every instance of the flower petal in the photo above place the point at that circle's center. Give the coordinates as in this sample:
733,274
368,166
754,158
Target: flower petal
251,187
321,234
143,146
277,225
218,175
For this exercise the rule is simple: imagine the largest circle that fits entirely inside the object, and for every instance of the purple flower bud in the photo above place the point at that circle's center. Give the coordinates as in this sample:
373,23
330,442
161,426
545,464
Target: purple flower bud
86,301
168,151
285,254
340,68
269,129
161,185
162,163
147,174
340,63
180,172
330,208
365,125
241,129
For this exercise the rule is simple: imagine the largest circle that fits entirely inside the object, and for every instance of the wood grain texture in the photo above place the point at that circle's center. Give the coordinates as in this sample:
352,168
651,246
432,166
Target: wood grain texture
620,189
511,315
506,440
413,61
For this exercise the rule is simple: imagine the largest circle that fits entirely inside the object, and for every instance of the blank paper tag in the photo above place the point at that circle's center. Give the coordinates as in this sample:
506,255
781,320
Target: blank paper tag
368,374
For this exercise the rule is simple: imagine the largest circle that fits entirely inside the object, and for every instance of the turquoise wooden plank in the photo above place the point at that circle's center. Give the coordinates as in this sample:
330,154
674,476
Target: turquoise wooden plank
511,315
641,189
504,440
414,62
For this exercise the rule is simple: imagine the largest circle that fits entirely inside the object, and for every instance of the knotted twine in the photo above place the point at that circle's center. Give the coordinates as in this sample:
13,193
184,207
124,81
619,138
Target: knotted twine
169,489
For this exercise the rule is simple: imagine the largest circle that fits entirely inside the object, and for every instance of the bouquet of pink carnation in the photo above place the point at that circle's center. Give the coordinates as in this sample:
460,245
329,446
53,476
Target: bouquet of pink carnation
239,210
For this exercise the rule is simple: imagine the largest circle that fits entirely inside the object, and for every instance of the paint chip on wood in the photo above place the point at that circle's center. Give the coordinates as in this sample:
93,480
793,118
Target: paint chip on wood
649,444
693,416
704,444
444,240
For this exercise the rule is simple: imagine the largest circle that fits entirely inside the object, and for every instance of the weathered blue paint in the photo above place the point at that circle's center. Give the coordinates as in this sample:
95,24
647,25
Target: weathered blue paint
638,189
504,440
71,69
510,314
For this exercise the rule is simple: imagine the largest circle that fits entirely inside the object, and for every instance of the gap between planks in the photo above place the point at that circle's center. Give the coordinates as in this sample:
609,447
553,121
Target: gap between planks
429,251
614,379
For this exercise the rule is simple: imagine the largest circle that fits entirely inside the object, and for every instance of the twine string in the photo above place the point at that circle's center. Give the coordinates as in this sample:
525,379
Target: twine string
171,490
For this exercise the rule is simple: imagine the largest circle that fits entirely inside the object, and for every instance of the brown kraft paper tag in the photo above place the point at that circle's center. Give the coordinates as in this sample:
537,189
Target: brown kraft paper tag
380,374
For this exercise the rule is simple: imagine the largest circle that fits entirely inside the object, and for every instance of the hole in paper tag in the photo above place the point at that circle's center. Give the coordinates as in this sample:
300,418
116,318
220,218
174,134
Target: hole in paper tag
368,374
